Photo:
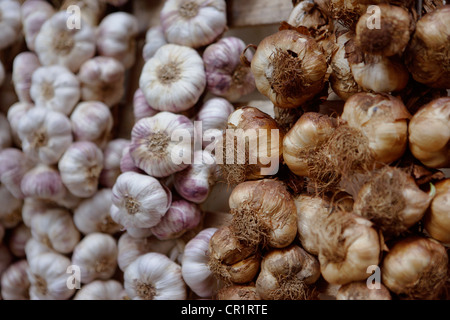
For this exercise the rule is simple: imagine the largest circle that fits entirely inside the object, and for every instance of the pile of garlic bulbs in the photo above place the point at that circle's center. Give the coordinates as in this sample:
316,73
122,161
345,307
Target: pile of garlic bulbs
89,215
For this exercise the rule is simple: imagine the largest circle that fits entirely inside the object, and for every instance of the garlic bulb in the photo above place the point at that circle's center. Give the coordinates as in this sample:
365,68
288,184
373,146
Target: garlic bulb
193,23
15,113
127,163
226,76
57,44
392,201
18,239
5,258
80,168
33,207
231,260
264,213
48,277
194,266
101,290
91,10
238,292
153,276
10,22
139,233
116,37
24,65
130,248
415,268
34,248
286,274
92,214
141,109
5,133
359,291
289,68
11,209
173,79
346,12
154,39
139,201
196,181
429,133
112,155
45,134
427,53
181,217
102,79
56,88
96,255
55,228
155,146
437,218
34,15
14,282
43,182
92,121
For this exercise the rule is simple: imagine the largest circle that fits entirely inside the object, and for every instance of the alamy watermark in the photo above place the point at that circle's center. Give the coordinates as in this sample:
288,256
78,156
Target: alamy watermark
74,19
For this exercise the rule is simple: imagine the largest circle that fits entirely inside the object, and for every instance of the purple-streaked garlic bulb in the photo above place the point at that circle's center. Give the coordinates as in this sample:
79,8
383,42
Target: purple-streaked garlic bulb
10,23
34,15
43,182
13,166
154,39
112,156
141,108
24,65
127,163
18,239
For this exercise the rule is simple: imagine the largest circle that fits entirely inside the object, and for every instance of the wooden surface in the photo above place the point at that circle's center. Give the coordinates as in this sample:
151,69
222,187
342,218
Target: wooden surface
244,13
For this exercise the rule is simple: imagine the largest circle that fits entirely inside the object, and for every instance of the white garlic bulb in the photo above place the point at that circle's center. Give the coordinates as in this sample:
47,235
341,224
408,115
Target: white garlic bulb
96,255
173,79
18,239
33,207
48,277
55,228
43,182
11,209
92,121
141,108
102,79
181,217
226,75
154,39
112,155
153,276
34,15
139,200
155,146
15,113
193,23
194,266
130,248
92,214
101,290
10,22
139,233
14,282
24,65
57,44
45,134
116,37
56,88
34,248
80,168
13,166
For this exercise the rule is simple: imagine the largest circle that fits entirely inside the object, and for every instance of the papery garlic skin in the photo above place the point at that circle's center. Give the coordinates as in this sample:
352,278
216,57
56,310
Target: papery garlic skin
116,36
153,148
238,292
56,88
57,44
10,211
429,133
18,239
153,276
112,156
96,255
24,65
154,39
92,121
14,281
5,133
139,200
225,74
437,218
15,113
43,182
194,266
92,214
141,109
80,168
173,79
415,268
48,277
45,134
193,23
101,290
10,22
102,79
360,291
34,15
55,228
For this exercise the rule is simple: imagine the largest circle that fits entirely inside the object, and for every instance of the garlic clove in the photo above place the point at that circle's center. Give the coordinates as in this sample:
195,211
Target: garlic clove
154,39
141,109
153,148
10,22
101,290
80,168
43,182
14,281
112,156
24,65
193,23
10,212
173,79
139,201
